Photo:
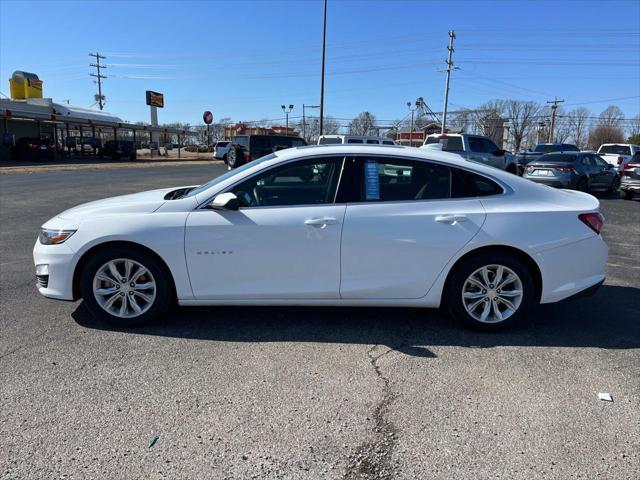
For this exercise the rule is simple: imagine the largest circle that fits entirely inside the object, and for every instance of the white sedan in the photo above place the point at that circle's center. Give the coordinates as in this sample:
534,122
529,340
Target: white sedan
330,225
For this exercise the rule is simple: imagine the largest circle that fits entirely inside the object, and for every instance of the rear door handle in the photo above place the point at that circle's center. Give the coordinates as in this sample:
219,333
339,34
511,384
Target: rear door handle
451,219
321,222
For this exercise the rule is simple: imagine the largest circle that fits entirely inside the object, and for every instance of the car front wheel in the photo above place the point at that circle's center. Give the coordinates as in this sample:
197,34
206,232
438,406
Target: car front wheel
490,291
126,287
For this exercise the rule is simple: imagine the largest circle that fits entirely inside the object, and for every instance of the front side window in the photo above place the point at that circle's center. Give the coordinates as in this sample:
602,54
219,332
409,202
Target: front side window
489,146
305,182
600,161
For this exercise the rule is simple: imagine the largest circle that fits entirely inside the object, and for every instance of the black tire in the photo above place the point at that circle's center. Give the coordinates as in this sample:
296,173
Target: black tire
583,184
512,169
456,285
235,157
164,291
626,194
224,158
615,185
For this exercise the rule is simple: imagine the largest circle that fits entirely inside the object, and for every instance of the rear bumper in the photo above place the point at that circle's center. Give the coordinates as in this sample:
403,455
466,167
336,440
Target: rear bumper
557,182
632,184
573,268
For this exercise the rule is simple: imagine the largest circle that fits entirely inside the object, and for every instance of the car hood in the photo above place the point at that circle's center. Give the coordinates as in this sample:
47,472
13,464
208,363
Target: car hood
143,202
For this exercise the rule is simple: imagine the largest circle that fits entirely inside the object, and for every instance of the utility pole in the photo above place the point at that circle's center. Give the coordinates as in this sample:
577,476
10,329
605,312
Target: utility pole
554,107
99,76
304,119
452,36
324,44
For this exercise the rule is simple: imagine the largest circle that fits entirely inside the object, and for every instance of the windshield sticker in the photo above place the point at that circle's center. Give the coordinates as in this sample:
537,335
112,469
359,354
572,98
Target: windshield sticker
372,180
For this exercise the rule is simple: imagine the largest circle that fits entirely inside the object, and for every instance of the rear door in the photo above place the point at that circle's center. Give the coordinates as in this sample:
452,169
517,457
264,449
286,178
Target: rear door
403,227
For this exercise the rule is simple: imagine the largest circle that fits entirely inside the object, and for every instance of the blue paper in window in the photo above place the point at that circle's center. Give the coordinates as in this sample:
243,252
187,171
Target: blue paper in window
371,180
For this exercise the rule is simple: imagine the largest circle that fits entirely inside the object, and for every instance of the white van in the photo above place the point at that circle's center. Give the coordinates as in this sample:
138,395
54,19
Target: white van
332,139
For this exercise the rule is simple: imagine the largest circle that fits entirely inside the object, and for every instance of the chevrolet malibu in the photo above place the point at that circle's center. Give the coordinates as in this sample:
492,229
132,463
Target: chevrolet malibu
330,225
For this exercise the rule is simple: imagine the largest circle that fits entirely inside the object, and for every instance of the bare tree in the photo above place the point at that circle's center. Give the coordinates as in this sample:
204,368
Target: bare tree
611,116
312,131
634,128
577,120
363,124
522,117
605,134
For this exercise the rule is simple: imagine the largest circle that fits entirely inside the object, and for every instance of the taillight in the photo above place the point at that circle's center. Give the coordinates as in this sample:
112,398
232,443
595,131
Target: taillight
564,169
620,160
593,220
32,145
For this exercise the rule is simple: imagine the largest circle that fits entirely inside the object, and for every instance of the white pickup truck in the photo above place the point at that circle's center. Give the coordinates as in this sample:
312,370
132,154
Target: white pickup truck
474,147
619,154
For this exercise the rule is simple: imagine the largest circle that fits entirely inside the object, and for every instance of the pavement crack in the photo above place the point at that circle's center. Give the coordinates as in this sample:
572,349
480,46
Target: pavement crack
372,459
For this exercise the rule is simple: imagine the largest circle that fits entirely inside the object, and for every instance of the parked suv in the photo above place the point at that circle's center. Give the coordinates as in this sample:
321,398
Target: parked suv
474,147
367,140
245,148
630,178
523,158
578,170
618,154
221,149
117,149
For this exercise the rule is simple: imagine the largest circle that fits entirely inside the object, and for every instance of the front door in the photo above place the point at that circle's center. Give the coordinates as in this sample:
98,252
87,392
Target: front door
405,227
283,243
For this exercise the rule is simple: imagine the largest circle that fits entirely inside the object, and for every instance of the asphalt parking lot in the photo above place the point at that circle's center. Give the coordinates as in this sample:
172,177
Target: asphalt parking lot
297,393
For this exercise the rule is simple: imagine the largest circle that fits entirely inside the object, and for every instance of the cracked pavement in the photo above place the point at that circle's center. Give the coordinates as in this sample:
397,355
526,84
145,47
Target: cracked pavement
308,393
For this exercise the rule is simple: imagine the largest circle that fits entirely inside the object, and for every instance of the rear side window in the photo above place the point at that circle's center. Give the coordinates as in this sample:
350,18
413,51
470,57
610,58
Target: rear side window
468,184
355,140
388,142
376,142
389,180
615,149
476,145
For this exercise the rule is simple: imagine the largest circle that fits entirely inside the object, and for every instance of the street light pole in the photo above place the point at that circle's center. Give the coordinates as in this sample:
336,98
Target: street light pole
324,44
411,131
287,112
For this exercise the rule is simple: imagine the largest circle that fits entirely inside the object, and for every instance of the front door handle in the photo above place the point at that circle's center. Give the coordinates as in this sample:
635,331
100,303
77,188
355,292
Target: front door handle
451,219
321,222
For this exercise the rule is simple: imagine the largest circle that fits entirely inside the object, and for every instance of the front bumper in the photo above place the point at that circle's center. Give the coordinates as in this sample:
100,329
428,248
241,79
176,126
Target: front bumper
61,261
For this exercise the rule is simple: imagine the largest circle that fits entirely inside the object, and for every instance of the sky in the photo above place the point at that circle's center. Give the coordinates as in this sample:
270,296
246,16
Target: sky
244,59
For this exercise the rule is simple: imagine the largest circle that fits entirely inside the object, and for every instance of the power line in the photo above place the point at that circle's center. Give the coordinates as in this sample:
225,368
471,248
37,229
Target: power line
99,98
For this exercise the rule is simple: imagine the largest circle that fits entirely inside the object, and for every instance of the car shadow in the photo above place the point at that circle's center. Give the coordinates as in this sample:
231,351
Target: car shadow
610,319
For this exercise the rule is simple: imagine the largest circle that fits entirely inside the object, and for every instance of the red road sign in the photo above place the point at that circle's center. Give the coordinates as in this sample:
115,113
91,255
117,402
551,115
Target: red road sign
207,117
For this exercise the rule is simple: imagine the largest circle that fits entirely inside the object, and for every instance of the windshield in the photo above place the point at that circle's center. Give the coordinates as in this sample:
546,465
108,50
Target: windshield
615,149
229,174
328,140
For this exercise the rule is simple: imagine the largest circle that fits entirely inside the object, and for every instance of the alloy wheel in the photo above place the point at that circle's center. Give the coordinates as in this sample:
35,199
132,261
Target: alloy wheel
124,288
492,293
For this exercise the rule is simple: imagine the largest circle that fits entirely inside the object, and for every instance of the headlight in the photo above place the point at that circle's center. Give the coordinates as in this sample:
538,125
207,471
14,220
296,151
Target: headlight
53,237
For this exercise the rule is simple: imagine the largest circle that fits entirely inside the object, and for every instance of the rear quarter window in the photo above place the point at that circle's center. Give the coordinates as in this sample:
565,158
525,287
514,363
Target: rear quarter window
468,184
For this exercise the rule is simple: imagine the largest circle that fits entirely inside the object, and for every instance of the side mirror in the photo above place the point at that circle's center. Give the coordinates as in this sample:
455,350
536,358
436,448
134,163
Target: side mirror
609,166
225,201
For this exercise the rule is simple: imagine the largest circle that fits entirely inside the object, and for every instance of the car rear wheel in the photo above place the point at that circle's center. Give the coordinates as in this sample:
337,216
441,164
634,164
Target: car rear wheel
234,157
512,169
583,184
615,185
626,194
490,291
126,287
